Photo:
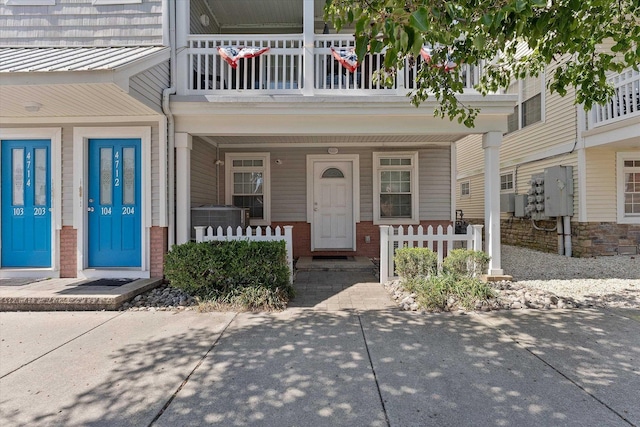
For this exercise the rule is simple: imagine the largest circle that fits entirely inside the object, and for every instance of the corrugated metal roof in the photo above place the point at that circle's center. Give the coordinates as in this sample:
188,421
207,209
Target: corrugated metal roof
31,59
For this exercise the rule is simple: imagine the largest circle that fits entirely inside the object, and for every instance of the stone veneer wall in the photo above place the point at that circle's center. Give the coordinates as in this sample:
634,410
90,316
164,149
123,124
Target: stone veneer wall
587,238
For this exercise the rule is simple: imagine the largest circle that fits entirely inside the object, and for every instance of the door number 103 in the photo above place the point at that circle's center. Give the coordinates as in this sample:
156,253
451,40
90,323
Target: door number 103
126,210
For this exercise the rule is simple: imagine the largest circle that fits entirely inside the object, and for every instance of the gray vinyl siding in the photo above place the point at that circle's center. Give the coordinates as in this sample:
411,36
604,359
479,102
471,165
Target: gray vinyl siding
80,23
199,8
147,86
203,174
289,181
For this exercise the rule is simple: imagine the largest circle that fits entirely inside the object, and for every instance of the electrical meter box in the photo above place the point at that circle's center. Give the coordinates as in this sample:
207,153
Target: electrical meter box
520,205
507,202
558,191
550,194
535,198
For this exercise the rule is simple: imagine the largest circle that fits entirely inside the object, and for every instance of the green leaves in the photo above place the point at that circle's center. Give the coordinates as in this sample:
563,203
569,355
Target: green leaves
584,39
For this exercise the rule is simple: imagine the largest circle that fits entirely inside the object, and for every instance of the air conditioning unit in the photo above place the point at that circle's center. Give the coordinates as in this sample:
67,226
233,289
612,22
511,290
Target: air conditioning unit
218,216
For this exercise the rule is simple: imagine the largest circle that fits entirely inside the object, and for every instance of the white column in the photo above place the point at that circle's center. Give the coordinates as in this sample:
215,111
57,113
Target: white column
491,144
308,30
182,31
183,187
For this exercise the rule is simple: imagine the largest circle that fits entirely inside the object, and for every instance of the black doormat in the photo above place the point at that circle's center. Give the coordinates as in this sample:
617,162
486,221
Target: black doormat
108,282
332,258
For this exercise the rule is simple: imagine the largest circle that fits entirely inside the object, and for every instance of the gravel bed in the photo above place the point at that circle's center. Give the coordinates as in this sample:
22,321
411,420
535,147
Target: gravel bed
162,298
550,281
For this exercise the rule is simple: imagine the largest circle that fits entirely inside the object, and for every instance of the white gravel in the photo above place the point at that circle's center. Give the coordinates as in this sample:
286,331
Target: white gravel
612,281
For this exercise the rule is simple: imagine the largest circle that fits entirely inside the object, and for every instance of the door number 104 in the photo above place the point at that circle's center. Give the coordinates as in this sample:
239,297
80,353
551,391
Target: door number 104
126,210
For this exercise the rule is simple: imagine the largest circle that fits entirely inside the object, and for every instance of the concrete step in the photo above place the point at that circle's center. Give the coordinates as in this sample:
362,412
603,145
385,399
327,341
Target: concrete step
357,263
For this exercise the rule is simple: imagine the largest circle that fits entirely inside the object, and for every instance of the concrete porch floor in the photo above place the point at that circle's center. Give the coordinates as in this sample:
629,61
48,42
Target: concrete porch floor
26,294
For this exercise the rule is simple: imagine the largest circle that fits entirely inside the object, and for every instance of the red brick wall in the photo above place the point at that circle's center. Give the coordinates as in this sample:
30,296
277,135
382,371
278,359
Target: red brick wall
159,239
302,239
68,248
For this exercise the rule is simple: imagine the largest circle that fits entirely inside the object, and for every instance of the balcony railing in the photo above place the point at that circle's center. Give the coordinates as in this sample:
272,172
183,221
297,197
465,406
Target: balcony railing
281,69
625,102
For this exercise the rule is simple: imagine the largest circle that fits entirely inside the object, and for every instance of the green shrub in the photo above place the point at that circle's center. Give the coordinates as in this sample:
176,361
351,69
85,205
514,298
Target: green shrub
434,293
414,263
465,263
242,274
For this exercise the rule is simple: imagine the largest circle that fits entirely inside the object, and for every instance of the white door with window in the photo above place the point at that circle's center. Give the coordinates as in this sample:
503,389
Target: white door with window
333,219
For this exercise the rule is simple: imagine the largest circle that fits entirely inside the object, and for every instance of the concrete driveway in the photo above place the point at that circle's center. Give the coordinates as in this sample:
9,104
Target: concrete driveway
306,367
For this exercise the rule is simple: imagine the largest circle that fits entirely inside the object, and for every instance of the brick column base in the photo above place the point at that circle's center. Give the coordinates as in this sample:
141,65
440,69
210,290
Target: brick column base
159,242
68,248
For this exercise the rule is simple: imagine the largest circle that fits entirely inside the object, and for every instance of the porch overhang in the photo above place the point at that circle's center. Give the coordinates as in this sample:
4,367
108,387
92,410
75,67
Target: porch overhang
73,82
332,115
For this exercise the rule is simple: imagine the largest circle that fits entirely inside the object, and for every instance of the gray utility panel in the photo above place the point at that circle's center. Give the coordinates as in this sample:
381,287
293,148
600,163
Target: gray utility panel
550,194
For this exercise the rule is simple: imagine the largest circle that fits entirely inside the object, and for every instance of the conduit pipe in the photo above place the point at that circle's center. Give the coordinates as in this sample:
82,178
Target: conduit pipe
169,10
560,236
567,236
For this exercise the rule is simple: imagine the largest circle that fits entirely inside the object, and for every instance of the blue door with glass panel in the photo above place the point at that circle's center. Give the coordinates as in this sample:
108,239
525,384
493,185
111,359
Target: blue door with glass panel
114,235
26,199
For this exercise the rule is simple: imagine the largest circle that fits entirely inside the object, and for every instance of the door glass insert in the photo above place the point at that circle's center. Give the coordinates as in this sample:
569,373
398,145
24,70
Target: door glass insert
129,175
333,173
18,176
106,167
40,177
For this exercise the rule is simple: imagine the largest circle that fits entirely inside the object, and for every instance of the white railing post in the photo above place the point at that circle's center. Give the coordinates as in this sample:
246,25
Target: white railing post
288,238
477,237
384,253
200,233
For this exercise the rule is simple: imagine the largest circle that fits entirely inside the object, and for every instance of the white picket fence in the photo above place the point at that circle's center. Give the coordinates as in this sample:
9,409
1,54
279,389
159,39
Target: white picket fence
392,238
206,234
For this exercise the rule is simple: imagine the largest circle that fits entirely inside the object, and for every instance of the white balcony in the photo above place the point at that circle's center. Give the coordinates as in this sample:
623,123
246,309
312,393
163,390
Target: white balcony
623,105
290,68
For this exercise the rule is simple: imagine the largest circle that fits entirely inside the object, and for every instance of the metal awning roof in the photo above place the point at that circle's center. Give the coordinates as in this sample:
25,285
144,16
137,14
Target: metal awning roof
60,59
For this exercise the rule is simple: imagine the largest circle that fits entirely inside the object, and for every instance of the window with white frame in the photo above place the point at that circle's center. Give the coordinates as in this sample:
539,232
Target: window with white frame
248,184
529,109
465,189
506,181
395,183
629,188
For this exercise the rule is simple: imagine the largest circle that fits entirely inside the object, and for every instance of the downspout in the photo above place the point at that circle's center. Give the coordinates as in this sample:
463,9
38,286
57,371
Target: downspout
169,12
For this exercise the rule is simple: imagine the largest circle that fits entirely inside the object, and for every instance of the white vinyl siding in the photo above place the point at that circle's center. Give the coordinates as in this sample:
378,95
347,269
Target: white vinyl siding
82,23
601,181
147,86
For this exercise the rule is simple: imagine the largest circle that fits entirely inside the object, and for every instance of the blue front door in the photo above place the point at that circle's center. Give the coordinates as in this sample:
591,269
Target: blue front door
114,236
26,199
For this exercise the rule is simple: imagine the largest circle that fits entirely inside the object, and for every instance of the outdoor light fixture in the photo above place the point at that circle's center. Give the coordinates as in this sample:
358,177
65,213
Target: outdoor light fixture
32,106
332,150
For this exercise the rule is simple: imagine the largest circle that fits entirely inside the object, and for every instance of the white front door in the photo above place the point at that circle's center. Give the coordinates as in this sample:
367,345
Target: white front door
333,221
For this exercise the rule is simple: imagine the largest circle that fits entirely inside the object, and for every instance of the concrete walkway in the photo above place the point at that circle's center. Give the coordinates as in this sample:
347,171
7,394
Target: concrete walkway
316,364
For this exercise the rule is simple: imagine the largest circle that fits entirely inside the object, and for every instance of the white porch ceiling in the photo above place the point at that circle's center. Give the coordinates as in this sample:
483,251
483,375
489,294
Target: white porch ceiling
329,140
69,100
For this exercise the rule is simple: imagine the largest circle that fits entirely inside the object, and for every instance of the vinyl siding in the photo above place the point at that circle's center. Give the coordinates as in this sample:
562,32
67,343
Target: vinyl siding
601,185
203,174
289,181
147,86
80,23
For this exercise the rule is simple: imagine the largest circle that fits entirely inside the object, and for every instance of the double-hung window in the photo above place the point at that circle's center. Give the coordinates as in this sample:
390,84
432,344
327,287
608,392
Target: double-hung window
465,189
629,188
248,184
395,188
506,182
530,107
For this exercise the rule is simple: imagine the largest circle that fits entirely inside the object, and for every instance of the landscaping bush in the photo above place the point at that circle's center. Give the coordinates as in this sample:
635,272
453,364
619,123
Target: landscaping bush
414,263
465,262
456,285
240,274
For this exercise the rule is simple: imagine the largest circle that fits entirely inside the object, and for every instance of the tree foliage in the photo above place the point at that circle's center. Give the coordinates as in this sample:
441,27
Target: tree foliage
585,38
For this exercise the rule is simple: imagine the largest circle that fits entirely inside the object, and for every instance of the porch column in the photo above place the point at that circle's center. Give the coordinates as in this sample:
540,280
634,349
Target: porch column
182,30
308,30
491,145
183,143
